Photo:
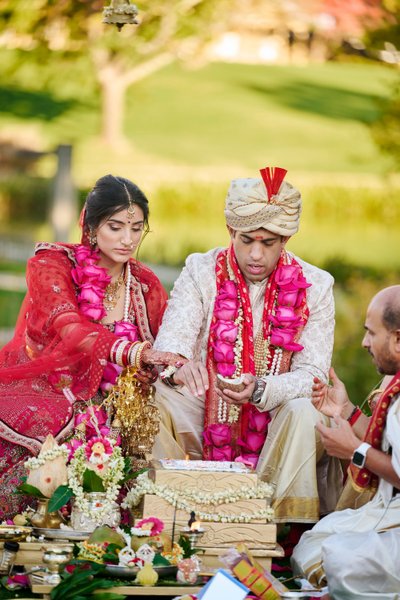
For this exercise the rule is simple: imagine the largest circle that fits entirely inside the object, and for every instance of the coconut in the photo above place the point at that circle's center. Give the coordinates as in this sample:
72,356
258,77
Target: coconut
103,534
235,385
52,473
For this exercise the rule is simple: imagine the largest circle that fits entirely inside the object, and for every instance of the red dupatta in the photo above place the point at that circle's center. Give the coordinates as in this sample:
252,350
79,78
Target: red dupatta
40,360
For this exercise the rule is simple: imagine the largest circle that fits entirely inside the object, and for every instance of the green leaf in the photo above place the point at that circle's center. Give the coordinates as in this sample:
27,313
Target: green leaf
111,555
188,551
160,561
30,490
92,482
128,473
60,497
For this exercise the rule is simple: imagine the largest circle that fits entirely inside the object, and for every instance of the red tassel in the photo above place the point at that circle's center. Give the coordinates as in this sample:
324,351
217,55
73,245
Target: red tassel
273,177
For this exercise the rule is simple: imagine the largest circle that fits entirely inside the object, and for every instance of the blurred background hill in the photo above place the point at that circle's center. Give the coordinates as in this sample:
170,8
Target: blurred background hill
198,93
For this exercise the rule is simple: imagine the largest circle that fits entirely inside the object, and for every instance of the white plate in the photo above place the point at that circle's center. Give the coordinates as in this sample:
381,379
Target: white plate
62,534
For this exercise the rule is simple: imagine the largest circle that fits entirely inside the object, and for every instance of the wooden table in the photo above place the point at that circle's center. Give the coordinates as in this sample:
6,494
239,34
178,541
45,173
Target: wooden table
128,590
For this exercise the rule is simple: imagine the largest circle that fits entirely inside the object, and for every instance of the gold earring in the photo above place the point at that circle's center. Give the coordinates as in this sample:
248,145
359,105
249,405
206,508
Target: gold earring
92,238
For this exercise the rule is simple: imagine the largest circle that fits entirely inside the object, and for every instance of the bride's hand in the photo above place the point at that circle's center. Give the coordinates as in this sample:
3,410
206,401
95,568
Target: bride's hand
148,375
156,357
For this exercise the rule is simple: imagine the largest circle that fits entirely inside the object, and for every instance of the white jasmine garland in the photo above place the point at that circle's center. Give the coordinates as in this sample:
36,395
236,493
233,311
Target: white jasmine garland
185,500
31,464
111,482
140,532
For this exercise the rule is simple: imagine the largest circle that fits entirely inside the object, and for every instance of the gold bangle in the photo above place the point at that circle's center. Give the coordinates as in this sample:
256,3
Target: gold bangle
138,356
131,360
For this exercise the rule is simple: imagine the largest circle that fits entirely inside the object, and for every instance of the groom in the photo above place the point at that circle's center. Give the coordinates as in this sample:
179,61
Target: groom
257,313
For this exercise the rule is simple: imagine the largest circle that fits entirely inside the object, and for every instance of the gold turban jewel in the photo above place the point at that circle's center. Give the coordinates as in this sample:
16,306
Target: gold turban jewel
269,203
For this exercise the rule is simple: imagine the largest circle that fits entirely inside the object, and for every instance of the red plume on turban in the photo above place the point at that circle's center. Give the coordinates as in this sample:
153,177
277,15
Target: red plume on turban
273,177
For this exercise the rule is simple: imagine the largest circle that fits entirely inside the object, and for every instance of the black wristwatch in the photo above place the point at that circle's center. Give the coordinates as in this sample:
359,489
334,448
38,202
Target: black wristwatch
360,455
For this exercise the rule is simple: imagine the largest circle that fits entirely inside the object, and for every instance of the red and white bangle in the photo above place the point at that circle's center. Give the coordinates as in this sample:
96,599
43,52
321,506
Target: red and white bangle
119,355
113,351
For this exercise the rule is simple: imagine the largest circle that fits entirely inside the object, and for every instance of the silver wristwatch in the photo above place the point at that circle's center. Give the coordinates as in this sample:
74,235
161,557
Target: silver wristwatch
258,391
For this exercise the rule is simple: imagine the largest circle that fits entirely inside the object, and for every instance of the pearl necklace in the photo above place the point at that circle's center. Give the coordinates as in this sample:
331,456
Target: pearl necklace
127,300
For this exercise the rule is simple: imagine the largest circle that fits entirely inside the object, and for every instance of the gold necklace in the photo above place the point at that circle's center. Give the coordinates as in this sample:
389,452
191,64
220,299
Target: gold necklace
113,292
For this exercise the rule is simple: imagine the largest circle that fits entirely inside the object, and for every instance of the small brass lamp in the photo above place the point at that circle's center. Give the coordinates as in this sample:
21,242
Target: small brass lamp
120,13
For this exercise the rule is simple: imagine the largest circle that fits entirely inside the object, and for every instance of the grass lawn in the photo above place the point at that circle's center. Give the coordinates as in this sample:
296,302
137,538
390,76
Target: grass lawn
213,123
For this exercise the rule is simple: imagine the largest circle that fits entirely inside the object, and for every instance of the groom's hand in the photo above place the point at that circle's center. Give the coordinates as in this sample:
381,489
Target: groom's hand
194,376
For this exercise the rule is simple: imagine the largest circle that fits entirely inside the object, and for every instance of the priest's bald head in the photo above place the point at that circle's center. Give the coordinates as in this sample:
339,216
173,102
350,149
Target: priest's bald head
268,203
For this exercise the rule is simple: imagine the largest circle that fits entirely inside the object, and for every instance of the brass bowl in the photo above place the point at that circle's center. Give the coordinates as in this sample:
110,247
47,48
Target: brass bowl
14,533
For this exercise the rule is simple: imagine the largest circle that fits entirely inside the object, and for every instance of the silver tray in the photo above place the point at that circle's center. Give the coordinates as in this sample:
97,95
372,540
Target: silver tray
15,533
130,572
62,534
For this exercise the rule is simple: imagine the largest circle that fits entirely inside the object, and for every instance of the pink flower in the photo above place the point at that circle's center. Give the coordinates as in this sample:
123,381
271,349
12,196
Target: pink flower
222,453
92,311
226,369
258,421
157,525
217,435
227,303
290,274
253,442
90,293
73,446
93,413
110,375
84,255
16,581
126,330
97,446
284,338
228,289
226,331
250,460
223,352
285,316
226,309
291,297
90,274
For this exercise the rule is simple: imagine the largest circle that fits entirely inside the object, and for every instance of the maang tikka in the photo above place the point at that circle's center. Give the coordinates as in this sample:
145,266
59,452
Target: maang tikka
131,208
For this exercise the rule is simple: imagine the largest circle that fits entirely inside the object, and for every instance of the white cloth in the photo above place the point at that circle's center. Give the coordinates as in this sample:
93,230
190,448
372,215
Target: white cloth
358,551
290,467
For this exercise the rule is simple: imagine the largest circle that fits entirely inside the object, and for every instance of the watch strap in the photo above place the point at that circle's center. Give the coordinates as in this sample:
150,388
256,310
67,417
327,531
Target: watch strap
361,450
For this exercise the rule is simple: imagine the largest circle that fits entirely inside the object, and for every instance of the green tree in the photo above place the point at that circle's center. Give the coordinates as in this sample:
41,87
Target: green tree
49,30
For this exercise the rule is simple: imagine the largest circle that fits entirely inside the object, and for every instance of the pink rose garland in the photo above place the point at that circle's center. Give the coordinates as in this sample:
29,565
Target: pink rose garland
91,281
285,325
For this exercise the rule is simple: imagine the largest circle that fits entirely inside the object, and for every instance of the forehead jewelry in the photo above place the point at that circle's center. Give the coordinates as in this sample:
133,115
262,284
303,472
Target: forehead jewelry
131,207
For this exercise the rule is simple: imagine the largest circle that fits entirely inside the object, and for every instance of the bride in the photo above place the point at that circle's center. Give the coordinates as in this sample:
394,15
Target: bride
90,310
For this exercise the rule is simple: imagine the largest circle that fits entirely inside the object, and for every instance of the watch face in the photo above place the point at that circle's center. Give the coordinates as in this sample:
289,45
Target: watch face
358,459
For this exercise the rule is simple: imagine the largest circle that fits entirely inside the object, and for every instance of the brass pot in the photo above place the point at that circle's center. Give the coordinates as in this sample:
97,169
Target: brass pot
43,518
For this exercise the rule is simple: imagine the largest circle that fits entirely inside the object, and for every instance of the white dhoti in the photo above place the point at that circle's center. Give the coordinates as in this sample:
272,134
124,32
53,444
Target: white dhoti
292,460
357,551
